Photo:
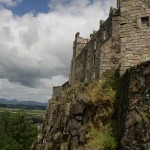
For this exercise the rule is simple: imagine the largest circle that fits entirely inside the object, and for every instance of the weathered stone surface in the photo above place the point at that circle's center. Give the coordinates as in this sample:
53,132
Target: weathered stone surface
133,116
74,143
121,42
91,148
83,98
63,127
64,146
79,118
82,133
74,124
77,108
134,106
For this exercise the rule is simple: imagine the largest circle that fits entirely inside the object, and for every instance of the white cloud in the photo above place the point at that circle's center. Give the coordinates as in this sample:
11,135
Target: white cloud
10,3
41,93
35,50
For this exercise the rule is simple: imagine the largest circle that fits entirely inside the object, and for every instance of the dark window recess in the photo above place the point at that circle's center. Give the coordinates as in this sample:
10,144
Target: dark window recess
94,59
145,21
85,53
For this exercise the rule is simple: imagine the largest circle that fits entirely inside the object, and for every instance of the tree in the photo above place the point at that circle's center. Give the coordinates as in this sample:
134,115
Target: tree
16,131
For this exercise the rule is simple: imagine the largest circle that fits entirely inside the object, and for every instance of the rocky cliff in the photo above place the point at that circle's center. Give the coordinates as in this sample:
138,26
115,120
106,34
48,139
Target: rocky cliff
134,108
106,115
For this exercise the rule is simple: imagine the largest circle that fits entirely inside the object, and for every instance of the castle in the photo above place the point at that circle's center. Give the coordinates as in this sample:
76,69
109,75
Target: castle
122,41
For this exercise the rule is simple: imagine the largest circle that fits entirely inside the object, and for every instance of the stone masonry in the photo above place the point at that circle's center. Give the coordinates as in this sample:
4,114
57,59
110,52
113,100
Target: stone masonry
134,108
122,41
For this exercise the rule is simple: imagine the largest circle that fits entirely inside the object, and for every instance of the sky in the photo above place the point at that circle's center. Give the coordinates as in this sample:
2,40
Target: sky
36,40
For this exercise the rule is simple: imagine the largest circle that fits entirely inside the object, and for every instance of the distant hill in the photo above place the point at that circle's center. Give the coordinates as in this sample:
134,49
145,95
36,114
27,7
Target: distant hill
16,102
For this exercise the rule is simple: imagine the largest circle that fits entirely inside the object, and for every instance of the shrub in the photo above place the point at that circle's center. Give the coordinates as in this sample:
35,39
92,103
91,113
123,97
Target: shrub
101,139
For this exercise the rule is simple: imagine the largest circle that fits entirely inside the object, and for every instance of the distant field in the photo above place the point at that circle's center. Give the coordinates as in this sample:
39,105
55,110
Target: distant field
35,115
14,110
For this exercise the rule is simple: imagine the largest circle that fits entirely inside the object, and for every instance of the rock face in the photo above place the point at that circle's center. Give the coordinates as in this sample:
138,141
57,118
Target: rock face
134,108
64,123
73,118
83,118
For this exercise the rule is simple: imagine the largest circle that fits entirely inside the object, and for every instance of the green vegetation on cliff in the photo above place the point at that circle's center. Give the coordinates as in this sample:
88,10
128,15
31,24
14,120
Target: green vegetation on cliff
101,97
100,133
81,117
100,115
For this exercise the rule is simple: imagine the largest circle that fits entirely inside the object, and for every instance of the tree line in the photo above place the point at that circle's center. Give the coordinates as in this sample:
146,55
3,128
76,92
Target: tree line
16,131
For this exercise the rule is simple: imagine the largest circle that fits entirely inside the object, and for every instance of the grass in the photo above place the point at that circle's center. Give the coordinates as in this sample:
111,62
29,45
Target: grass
101,139
100,134
103,90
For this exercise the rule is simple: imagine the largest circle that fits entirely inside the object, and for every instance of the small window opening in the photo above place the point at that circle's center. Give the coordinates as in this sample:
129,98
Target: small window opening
94,45
85,53
145,21
94,59
104,35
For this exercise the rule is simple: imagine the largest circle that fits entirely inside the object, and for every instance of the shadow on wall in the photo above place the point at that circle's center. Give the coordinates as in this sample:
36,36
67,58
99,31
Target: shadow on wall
132,107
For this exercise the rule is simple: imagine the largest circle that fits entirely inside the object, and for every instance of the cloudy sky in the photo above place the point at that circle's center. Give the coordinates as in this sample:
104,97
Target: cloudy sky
36,39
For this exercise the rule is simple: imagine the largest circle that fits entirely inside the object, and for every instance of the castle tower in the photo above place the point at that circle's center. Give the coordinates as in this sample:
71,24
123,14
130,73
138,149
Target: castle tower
134,32
78,45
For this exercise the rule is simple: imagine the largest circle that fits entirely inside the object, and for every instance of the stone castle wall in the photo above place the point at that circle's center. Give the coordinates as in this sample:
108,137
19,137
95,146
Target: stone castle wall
134,32
78,45
57,90
133,108
98,54
121,42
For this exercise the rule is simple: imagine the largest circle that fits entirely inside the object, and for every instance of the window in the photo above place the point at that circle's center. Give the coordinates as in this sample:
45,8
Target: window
94,59
93,75
85,53
104,35
94,45
145,21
